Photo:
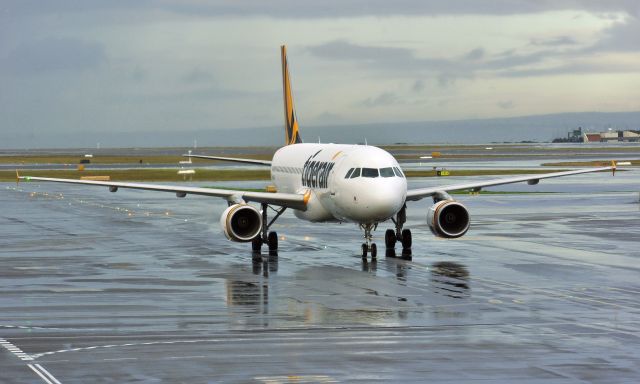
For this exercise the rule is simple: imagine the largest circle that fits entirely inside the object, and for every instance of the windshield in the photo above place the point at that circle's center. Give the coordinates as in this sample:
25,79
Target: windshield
387,172
374,172
369,172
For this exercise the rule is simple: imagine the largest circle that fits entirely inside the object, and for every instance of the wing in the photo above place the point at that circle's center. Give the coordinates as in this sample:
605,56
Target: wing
417,194
232,159
289,200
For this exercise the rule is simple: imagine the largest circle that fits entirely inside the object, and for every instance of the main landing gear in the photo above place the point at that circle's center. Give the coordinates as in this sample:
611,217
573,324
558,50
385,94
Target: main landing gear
399,234
266,237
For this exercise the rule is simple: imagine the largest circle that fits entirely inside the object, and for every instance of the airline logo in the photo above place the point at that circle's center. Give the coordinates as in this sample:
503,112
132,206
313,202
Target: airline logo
315,174
290,121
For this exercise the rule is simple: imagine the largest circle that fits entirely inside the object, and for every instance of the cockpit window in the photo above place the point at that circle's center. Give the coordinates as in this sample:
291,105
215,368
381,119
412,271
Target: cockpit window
387,172
349,173
398,172
370,172
355,173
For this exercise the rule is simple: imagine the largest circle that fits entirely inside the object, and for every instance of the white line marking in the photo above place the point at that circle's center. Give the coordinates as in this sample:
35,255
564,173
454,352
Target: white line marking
42,376
37,368
296,379
121,359
47,373
22,327
17,352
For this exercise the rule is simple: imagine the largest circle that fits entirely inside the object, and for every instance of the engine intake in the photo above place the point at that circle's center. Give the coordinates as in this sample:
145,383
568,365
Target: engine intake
241,222
448,218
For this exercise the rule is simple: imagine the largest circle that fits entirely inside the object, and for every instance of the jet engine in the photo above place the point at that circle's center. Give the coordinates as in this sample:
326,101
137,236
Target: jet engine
448,218
241,222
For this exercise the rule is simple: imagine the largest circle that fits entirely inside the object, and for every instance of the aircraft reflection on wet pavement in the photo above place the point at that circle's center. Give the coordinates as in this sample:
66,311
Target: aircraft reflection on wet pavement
450,279
268,298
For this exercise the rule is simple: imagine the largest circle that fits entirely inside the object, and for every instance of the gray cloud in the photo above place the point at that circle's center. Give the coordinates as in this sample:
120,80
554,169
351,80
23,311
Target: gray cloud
418,86
621,37
507,104
555,41
516,60
196,76
377,57
383,99
446,79
573,67
339,8
54,55
49,62
476,54
323,9
343,50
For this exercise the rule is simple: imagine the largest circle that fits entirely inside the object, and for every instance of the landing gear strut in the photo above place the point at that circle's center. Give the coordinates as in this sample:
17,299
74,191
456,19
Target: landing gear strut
266,237
399,234
368,246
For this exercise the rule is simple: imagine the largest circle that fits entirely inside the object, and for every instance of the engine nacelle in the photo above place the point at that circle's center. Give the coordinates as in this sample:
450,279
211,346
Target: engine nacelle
241,222
448,218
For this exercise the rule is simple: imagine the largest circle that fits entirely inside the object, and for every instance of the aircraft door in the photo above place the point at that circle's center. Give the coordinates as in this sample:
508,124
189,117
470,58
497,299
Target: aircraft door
334,177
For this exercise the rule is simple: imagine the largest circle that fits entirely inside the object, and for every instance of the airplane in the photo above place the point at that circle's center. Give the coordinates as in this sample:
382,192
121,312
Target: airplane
360,184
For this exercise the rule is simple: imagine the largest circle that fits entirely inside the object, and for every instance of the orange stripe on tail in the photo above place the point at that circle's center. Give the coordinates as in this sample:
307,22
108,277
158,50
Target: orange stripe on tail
290,120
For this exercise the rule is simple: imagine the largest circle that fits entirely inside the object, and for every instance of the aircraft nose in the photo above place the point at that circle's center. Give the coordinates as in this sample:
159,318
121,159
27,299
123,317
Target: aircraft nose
383,200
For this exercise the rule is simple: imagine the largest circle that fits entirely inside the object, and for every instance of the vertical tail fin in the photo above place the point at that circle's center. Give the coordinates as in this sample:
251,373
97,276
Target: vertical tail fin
290,120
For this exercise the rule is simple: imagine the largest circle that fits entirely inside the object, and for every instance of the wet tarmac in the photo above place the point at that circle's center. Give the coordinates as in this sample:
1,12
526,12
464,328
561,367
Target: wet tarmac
141,287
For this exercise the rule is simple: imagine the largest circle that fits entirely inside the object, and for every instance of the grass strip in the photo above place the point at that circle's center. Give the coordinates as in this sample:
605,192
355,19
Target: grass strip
596,163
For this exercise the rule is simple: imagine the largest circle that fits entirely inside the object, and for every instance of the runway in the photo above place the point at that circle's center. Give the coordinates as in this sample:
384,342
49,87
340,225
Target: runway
141,287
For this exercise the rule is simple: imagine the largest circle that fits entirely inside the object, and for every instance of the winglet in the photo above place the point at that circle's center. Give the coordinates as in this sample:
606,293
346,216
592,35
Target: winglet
613,167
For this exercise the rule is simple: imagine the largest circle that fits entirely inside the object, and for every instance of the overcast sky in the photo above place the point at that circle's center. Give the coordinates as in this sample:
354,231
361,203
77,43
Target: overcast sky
170,65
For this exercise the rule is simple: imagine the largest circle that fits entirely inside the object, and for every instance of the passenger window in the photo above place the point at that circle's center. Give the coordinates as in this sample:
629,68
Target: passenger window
398,172
349,173
355,173
387,172
370,172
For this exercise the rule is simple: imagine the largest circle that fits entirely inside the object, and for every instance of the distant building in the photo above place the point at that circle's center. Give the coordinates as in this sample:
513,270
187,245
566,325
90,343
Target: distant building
578,136
612,136
592,138
575,136
631,136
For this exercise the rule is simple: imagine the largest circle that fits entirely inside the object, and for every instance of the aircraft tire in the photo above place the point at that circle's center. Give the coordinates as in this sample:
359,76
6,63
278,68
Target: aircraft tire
374,251
406,239
364,250
256,244
272,241
390,238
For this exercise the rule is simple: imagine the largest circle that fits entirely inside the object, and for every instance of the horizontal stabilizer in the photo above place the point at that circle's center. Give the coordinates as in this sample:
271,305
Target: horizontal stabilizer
231,159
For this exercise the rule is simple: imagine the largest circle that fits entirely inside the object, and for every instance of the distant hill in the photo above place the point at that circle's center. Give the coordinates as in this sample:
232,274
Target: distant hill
541,128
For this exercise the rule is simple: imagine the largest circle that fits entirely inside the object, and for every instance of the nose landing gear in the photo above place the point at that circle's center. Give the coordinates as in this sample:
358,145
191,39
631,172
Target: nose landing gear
368,246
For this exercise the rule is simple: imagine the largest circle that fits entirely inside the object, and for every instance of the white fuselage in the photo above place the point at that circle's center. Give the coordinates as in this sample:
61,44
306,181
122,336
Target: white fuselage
374,190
